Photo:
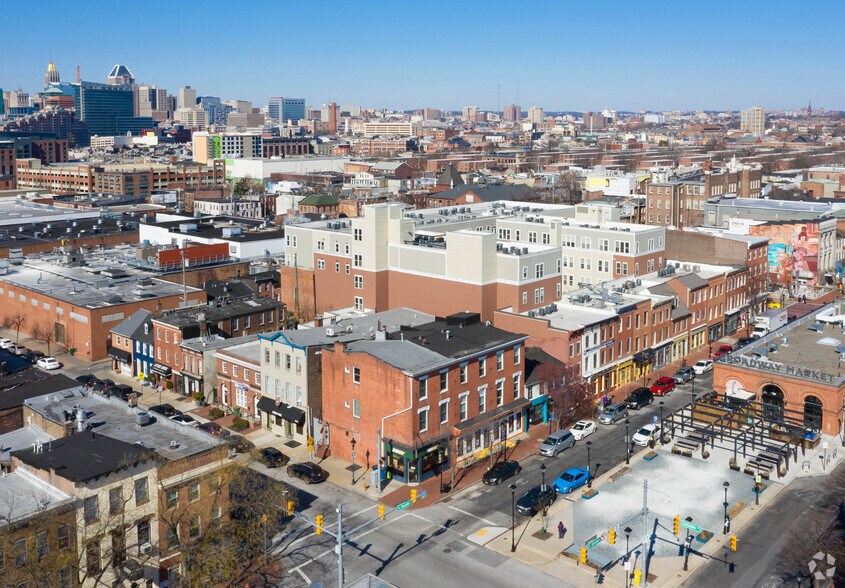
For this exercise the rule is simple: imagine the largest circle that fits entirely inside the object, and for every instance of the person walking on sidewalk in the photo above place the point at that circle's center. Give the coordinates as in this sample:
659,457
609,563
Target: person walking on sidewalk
561,530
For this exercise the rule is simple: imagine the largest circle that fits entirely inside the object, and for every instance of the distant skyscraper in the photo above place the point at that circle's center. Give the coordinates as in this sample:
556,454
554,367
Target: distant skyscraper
536,114
52,75
120,74
469,112
187,97
285,109
753,120
513,113
101,105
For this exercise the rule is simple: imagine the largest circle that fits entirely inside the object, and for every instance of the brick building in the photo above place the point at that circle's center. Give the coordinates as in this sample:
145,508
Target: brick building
239,376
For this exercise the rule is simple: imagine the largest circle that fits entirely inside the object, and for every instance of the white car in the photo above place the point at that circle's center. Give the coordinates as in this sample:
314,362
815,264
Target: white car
6,343
186,420
642,436
701,366
48,363
17,349
583,429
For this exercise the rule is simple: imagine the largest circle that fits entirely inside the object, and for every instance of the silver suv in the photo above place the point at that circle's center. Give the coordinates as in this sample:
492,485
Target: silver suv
612,413
557,442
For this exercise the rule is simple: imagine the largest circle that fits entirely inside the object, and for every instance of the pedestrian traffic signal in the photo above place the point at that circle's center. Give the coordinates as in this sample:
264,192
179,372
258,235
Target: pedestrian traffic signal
733,542
290,507
319,521
381,511
676,527
413,496
611,536
583,555
638,577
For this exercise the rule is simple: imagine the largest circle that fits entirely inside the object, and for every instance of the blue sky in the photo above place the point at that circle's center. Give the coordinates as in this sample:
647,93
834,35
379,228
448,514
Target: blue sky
561,55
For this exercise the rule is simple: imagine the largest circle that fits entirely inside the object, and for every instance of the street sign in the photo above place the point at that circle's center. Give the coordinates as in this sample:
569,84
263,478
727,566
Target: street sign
422,495
353,455
654,419
404,505
594,542
691,527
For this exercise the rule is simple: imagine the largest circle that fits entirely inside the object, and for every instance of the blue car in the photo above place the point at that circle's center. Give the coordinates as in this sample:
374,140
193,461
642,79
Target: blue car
571,479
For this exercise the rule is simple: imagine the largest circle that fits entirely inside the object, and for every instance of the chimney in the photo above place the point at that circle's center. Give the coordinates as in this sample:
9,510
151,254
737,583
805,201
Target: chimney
448,335
333,121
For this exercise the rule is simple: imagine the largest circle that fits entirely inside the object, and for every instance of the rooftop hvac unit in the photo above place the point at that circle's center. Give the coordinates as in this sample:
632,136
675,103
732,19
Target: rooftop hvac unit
142,418
639,282
330,332
542,311
531,314
696,268
525,250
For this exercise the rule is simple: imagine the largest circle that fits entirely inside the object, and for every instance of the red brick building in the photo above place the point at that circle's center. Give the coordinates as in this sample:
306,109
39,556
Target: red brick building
239,376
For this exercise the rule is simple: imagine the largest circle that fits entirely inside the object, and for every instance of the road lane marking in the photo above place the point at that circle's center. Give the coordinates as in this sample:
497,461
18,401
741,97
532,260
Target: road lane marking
304,577
483,520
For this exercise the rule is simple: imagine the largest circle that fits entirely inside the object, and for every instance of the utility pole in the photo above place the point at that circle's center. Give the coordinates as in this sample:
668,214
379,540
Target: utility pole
184,283
645,532
339,545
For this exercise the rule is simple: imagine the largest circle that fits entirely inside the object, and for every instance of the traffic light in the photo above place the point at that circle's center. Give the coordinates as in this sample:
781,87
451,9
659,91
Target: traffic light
413,496
733,542
319,521
638,577
676,527
611,536
583,555
381,511
290,506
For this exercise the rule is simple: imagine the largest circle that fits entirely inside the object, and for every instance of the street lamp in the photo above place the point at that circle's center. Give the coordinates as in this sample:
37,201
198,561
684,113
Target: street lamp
352,442
513,517
589,466
688,543
627,531
543,472
693,390
661,421
727,523
627,450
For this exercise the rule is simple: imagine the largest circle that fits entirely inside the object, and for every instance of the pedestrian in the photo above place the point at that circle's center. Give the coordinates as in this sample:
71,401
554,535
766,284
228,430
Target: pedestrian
561,530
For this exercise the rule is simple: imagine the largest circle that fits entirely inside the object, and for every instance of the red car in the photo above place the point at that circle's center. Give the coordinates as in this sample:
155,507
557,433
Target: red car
662,386
722,351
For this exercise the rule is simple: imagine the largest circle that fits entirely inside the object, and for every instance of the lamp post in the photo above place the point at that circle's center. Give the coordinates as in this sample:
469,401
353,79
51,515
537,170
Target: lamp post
727,524
627,532
627,450
543,472
688,542
513,517
693,390
661,421
589,466
352,442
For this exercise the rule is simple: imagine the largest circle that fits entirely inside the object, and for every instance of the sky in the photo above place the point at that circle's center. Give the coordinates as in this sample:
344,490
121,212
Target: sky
563,55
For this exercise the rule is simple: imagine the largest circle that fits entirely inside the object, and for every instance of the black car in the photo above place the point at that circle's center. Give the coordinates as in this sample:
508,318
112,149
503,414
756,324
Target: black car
308,471
33,356
165,410
122,391
272,457
535,499
102,385
742,342
239,443
501,472
85,379
639,398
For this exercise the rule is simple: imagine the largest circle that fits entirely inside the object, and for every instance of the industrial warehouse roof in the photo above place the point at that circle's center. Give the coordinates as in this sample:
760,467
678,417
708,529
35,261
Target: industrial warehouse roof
319,200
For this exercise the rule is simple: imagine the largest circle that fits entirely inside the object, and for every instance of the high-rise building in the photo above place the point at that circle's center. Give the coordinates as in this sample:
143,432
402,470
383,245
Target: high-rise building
431,114
285,109
187,97
152,102
52,75
536,115
325,113
753,120
469,112
101,105
119,75
2,108
513,113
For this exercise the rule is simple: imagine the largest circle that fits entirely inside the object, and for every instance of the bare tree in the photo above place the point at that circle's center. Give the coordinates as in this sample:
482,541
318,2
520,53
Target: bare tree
567,391
16,321
46,333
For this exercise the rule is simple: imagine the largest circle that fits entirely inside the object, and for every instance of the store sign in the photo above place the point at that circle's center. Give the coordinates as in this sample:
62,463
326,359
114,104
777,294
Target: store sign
779,368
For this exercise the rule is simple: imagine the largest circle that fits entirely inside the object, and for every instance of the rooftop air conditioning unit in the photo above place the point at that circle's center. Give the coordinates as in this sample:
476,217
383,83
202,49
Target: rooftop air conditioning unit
330,332
145,548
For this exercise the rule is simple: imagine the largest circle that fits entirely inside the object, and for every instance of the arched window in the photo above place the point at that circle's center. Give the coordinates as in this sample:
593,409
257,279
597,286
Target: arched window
812,412
773,397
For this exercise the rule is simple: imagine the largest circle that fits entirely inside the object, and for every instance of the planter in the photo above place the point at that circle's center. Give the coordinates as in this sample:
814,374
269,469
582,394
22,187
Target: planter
588,494
734,466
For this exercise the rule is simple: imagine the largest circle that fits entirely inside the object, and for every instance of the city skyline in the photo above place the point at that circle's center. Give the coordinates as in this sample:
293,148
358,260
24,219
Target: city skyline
462,59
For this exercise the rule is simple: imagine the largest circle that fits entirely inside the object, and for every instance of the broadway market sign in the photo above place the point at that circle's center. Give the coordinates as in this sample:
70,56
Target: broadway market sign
779,368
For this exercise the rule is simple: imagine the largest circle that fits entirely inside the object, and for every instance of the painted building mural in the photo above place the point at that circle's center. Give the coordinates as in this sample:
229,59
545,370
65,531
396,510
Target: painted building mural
793,251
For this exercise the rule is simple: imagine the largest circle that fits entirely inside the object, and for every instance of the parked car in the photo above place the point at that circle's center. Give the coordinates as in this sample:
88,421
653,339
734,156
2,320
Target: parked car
557,442
570,480
122,391
103,385
17,350
663,386
643,436
535,500
639,398
238,442
34,356
742,342
48,363
702,365
308,471
684,375
165,410
213,429
723,351
612,413
86,379
583,429
272,457
186,420
500,472
5,343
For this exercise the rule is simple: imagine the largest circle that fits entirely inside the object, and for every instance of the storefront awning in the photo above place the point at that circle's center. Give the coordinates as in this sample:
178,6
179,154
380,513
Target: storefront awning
280,409
119,354
161,370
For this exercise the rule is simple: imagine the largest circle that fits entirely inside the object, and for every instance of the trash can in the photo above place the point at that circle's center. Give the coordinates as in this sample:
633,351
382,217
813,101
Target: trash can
72,350
374,477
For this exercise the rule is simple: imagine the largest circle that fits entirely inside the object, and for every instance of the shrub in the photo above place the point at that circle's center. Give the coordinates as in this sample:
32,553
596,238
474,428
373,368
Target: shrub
199,396
214,413
169,384
239,424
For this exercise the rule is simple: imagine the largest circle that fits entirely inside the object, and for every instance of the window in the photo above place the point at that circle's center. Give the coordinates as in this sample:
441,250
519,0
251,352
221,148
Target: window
482,367
115,500
225,367
539,271
444,412
321,264
63,532
525,272
234,371
337,267
267,356
586,242
356,408
246,322
42,546
423,416
347,268
92,511
356,375
92,557
246,375
586,263
515,386
424,389
358,235
20,552
118,549
444,382
172,498
358,282
463,405
532,237
482,399
500,361
193,491
235,324
622,246
299,395
194,527
464,374
143,532
64,578
278,360
545,238
358,260
167,336
359,303
172,537
525,297
215,513
500,392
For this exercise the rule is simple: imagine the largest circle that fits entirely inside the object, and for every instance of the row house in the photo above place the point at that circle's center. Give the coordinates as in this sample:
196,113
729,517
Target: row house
199,364
239,376
436,397
133,346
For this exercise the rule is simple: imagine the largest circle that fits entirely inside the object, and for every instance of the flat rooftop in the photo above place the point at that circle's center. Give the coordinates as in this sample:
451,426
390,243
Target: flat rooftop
53,231
114,418
213,227
22,495
16,211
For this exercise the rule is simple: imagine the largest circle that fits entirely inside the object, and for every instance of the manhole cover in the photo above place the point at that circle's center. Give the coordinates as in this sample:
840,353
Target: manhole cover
447,550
